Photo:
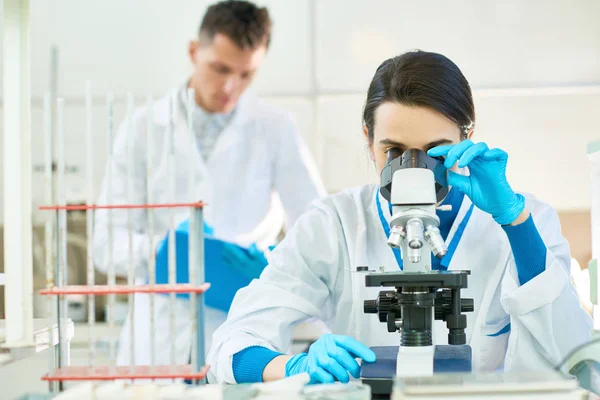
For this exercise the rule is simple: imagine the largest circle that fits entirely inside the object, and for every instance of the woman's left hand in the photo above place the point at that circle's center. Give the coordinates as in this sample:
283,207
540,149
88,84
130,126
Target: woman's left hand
486,184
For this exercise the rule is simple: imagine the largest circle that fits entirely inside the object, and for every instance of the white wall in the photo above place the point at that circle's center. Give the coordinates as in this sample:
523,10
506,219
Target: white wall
323,55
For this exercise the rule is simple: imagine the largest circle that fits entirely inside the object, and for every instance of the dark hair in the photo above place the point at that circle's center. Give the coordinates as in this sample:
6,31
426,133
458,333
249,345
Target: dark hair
243,22
421,79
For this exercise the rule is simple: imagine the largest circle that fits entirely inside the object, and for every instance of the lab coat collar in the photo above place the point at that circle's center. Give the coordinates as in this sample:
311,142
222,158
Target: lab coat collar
226,140
160,109
219,119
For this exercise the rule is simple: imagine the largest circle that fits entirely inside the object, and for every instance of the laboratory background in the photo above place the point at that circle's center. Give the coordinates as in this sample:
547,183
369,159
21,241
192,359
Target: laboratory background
534,67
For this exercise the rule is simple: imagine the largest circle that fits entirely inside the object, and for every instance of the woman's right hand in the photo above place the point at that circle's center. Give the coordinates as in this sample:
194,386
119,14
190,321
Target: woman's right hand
329,359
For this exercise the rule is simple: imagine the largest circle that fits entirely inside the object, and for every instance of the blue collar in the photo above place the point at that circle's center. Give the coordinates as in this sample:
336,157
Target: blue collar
445,262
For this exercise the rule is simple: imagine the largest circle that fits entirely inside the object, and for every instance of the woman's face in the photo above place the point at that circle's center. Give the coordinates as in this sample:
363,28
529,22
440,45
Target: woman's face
405,127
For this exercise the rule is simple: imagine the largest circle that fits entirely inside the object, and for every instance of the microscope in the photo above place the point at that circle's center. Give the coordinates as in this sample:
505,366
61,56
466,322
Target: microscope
414,183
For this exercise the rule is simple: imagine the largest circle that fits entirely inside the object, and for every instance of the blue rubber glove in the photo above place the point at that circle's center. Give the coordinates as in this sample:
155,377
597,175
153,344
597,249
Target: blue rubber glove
181,250
486,185
182,228
249,261
330,358
225,279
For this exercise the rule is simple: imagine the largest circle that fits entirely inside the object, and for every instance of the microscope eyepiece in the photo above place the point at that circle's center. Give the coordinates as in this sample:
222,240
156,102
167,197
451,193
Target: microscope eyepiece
396,159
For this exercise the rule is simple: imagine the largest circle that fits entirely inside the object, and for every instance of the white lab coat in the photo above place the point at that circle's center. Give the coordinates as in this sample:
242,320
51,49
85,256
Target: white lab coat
258,157
312,273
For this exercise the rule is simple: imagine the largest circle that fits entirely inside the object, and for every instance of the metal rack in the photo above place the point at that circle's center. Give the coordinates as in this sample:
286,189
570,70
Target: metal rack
19,330
56,267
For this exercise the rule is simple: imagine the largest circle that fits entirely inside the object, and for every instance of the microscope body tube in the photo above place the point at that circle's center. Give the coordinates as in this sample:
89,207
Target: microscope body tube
414,222
414,198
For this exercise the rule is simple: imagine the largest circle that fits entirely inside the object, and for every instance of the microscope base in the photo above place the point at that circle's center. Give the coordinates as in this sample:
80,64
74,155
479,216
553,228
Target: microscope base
381,374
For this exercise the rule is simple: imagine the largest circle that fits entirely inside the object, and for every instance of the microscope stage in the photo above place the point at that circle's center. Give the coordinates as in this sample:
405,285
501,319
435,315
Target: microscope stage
440,279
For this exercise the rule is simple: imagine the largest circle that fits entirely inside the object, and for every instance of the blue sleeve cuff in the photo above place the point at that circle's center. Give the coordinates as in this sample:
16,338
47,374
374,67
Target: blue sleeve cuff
528,249
249,364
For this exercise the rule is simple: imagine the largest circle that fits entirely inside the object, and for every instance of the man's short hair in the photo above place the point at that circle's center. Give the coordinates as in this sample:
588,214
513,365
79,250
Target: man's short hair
243,22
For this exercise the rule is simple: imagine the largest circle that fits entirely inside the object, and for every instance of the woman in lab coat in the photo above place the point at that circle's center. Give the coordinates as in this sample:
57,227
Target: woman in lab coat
527,314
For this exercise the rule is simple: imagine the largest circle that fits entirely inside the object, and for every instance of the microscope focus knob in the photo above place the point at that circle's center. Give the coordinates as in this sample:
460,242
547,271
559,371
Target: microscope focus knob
386,300
443,305
370,307
391,322
467,305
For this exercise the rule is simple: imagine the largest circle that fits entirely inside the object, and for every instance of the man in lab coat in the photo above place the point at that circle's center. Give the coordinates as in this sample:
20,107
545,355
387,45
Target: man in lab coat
247,158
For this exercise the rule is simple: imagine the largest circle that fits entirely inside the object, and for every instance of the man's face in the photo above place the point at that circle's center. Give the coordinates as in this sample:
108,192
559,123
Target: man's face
222,71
